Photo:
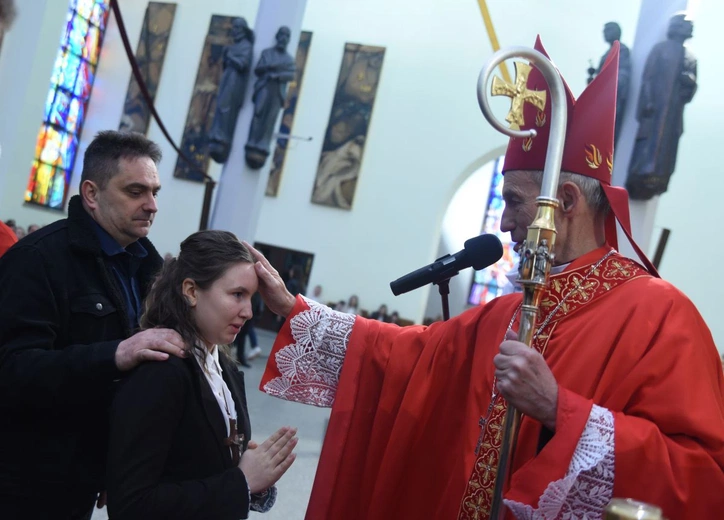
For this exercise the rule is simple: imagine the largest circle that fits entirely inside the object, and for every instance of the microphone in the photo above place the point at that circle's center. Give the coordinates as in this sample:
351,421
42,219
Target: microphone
479,253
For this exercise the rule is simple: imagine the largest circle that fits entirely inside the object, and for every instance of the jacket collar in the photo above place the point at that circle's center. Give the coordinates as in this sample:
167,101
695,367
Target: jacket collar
83,236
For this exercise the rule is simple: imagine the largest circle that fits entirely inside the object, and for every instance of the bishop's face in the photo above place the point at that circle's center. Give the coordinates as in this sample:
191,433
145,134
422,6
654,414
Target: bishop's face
520,190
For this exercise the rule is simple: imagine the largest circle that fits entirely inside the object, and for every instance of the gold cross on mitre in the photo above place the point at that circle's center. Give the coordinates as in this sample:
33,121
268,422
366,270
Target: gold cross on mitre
519,94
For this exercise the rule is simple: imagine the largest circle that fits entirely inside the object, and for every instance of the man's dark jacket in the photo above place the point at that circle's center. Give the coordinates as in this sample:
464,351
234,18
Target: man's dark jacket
62,316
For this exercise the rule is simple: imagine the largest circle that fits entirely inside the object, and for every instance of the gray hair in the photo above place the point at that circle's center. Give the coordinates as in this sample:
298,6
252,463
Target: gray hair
590,187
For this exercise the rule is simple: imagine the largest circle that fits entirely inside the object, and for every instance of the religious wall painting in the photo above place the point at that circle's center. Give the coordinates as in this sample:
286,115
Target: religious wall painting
489,283
199,119
150,55
290,106
346,133
71,83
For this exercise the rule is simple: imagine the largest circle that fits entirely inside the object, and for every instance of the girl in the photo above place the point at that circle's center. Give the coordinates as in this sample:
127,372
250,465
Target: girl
179,442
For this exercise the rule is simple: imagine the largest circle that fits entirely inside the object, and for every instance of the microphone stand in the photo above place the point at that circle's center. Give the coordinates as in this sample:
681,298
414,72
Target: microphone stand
443,286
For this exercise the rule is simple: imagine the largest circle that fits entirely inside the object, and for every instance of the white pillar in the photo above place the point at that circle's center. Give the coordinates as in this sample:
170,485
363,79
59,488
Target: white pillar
652,27
240,192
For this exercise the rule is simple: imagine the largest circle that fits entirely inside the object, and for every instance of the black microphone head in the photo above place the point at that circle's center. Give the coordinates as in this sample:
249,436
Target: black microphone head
483,250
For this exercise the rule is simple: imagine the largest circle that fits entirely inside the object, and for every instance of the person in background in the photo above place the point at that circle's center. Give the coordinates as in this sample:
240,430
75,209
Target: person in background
32,228
380,314
180,432
316,294
69,306
395,318
249,330
352,305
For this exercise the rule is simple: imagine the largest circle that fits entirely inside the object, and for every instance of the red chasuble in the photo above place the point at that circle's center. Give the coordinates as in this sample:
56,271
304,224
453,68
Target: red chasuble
640,409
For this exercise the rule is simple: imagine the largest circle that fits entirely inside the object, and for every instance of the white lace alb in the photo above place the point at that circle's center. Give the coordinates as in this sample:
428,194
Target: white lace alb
311,365
588,484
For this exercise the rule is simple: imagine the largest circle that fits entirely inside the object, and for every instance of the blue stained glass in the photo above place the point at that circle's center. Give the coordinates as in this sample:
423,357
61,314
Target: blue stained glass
59,111
57,191
67,151
49,104
65,106
71,64
77,35
85,81
65,39
57,70
75,114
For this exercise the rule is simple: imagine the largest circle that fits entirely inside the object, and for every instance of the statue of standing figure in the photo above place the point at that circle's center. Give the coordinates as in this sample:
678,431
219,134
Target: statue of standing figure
668,83
612,33
274,70
237,60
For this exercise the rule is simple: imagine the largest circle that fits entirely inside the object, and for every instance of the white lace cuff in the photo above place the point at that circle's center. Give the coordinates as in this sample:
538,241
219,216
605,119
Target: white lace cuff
588,484
264,501
311,364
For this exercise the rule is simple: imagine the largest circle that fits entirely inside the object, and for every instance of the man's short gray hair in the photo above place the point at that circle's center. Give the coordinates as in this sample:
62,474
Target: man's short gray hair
590,187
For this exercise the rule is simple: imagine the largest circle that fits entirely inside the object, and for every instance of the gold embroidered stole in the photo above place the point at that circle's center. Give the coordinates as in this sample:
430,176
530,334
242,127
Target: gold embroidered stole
572,290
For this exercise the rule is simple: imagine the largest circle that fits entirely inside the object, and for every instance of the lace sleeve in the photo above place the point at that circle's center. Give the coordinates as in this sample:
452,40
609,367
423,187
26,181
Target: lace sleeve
588,484
311,364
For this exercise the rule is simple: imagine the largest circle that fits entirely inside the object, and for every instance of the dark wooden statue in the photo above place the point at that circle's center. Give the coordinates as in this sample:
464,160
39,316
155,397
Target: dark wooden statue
232,87
274,70
668,83
612,33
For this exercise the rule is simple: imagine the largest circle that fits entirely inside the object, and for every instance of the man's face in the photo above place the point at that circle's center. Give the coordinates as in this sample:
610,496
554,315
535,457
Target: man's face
519,194
125,208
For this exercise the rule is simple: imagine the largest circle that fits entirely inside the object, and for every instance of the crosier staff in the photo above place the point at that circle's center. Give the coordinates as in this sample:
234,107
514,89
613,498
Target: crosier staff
537,252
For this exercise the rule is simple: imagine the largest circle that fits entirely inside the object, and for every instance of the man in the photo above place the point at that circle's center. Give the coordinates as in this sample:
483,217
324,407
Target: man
71,298
621,393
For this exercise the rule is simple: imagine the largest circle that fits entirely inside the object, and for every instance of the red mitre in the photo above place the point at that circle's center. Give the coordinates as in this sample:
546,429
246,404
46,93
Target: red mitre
589,140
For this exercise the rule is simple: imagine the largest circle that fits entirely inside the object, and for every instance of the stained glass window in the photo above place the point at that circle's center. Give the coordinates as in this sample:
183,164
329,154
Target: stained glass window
489,283
65,106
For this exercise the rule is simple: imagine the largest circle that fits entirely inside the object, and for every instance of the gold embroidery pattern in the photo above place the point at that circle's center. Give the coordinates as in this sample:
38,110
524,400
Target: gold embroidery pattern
527,144
614,271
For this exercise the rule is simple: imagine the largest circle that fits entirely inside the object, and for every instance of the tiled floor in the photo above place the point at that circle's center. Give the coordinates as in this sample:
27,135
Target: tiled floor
268,414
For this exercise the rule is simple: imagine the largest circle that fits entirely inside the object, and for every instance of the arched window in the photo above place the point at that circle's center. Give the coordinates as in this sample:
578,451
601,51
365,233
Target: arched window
65,106
490,282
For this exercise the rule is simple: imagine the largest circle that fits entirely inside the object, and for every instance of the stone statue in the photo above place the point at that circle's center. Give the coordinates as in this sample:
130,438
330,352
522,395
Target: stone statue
612,33
668,83
274,70
237,60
